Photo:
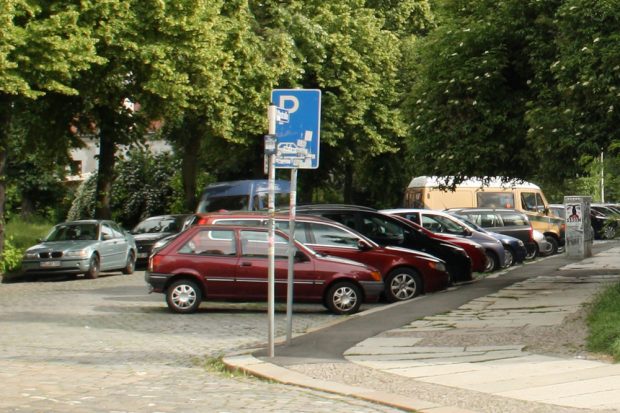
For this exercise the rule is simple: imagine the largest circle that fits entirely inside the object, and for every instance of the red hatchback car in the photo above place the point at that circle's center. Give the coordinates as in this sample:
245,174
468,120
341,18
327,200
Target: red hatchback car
406,273
231,263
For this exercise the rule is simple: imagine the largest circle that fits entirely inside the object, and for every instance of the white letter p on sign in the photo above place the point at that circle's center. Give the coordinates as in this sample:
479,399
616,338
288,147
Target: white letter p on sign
293,99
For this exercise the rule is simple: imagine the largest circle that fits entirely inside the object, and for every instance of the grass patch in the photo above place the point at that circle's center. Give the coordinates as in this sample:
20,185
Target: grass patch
217,365
24,233
604,323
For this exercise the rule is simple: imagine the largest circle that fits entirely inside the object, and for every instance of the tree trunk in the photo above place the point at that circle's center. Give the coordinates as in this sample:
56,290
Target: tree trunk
27,206
105,170
348,183
5,127
189,170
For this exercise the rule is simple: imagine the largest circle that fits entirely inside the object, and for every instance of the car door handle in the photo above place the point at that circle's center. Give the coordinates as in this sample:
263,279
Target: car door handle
246,264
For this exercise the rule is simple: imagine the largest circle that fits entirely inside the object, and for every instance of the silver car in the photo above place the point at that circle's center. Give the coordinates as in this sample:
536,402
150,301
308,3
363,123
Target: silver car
82,247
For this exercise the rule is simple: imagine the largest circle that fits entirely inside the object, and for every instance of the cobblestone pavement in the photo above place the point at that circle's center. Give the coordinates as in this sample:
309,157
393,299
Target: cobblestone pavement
105,345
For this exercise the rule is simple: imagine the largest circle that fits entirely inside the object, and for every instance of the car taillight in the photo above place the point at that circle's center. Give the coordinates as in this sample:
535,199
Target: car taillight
154,261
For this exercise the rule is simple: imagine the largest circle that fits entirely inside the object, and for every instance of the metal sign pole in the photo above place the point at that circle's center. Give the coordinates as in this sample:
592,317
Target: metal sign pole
272,243
291,258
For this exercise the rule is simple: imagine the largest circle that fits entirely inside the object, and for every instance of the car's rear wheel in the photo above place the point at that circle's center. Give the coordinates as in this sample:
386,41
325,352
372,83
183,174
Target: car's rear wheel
402,284
93,267
131,263
509,259
343,298
554,244
492,261
183,296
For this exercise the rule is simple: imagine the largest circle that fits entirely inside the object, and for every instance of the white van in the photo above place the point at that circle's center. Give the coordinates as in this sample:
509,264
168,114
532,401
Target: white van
426,192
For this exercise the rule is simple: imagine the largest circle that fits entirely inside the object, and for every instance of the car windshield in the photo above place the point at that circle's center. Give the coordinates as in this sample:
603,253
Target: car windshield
164,224
468,222
71,232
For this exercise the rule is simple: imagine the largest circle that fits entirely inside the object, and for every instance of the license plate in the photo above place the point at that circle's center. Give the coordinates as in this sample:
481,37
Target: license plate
143,255
47,264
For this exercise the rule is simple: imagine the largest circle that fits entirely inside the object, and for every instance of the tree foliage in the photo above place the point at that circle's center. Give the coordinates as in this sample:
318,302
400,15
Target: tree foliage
519,88
42,48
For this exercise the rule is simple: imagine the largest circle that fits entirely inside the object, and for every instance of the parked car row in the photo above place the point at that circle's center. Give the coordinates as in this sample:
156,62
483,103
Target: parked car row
412,256
344,255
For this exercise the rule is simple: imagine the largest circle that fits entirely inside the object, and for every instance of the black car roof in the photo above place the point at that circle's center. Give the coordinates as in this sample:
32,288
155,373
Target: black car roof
316,207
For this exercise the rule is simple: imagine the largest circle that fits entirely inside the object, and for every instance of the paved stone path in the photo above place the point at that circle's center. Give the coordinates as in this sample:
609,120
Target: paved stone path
105,345
476,347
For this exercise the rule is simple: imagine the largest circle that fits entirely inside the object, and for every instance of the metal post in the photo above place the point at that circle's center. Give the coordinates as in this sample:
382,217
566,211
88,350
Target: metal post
272,243
291,258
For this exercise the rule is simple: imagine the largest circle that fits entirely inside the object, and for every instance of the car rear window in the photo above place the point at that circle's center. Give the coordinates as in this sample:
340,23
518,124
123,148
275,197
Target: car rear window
514,219
210,242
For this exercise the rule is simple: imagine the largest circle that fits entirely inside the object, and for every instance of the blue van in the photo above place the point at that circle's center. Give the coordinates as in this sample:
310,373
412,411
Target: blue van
247,195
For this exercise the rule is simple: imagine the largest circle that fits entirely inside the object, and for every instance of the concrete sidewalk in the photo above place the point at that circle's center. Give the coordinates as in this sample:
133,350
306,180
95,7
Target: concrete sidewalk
481,350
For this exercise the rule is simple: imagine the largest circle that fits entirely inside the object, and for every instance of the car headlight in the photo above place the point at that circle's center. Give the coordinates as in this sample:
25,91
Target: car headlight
439,266
31,255
78,254
160,244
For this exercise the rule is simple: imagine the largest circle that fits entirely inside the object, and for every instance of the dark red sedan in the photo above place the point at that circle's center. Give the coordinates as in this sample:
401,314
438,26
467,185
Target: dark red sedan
231,263
406,273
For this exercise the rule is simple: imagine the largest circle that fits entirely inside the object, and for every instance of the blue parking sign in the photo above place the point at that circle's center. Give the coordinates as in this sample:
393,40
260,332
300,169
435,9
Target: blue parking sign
298,134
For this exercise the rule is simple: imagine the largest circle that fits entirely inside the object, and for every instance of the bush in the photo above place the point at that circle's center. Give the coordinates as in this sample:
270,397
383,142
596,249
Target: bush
143,187
11,257
21,234
83,205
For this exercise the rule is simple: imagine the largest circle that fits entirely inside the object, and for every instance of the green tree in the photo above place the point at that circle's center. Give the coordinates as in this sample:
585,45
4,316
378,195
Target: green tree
472,85
42,48
517,88
577,114
232,62
345,49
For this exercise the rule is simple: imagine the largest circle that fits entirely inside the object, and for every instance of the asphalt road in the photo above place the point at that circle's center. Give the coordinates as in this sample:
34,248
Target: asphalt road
330,343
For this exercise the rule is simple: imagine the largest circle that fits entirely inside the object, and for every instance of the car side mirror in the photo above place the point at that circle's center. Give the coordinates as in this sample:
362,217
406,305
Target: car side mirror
467,232
106,237
301,257
363,245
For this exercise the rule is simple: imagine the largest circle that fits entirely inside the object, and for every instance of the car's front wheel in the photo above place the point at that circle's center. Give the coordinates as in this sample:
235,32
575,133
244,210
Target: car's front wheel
532,251
609,232
509,259
183,296
492,262
131,263
93,267
343,298
402,284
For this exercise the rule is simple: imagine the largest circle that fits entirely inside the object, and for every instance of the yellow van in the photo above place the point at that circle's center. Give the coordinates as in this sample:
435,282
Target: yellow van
425,192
